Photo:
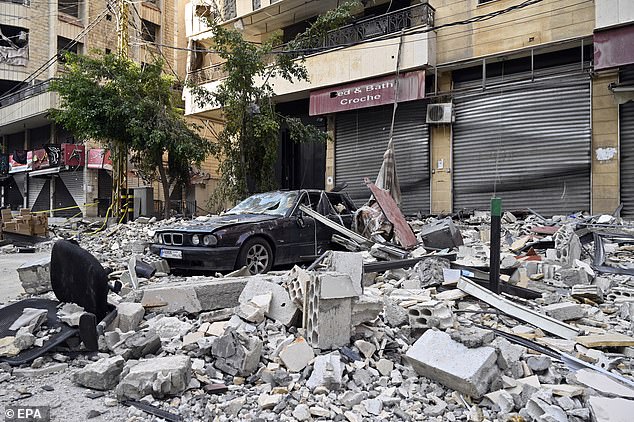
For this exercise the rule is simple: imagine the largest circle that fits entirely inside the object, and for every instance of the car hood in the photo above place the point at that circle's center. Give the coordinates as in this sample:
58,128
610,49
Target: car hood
210,224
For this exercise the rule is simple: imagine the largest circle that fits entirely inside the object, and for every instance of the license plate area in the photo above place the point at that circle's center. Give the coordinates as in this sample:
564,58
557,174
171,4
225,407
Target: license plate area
168,253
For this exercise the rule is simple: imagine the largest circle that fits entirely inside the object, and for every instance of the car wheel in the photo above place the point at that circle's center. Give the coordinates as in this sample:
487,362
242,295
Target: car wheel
256,255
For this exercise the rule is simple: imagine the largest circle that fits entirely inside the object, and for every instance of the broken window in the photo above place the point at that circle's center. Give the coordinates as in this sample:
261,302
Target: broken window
14,42
69,7
65,44
150,31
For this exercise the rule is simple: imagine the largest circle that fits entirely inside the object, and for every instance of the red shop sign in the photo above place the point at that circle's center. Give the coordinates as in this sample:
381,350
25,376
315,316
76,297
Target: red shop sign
99,158
368,93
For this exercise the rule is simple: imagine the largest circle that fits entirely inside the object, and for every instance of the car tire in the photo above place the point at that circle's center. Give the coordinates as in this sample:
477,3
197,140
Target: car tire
256,254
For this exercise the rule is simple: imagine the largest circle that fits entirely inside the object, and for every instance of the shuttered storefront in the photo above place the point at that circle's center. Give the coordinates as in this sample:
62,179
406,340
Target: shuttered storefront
361,138
529,142
39,193
69,192
626,126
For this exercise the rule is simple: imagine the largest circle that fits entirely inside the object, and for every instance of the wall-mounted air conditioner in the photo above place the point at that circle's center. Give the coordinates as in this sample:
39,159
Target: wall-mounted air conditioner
440,113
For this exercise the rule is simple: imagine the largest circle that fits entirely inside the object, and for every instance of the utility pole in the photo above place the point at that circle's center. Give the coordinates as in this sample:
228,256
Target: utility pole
120,151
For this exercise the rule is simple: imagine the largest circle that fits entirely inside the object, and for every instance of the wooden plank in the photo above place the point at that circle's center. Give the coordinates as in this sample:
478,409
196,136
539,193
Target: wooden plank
606,340
404,232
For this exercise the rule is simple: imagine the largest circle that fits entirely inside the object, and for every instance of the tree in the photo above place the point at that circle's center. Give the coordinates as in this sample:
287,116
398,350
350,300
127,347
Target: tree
247,145
119,102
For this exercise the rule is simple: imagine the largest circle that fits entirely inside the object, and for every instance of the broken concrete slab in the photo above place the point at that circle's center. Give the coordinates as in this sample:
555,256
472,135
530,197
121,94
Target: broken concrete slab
334,285
160,377
366,308
129,316
605,409
194,295
237,353
35,276
327,372
100,375
169,328
138,345
297,355
565,311
606,340
436,356
603,384
281,308
350,263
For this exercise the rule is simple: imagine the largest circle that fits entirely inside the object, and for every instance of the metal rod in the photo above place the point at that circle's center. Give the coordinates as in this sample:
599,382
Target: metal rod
494,265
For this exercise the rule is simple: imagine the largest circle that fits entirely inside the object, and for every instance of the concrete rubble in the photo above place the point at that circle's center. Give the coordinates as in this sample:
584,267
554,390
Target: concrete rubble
338,343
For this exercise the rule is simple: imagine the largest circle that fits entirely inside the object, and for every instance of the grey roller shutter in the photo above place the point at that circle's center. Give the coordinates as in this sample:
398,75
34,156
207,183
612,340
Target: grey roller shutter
626,125
74,182
530,142
36,184
361,138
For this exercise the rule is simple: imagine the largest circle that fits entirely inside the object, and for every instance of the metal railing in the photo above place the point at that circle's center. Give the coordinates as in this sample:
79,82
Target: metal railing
363,30
23,94
184,208
207,74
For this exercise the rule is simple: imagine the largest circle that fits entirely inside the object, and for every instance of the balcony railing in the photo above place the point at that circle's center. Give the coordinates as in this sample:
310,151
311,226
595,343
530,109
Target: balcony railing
363,30
23,94
207,74
366,29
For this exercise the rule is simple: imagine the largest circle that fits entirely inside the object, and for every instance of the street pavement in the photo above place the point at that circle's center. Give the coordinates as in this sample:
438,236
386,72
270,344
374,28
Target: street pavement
10,287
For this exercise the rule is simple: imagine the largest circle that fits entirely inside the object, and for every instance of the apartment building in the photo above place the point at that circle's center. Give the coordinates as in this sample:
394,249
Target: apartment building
504,97
44,167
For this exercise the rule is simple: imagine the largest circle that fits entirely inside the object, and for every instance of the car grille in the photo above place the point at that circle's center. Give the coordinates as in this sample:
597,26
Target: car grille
173,239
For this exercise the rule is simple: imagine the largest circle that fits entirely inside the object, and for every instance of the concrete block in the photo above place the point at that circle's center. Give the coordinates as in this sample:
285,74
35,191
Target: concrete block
193,296
564,311
441,234
327,322
137,345
350,263
100,375
605,409
335,286
431,314
366,308
470,371
169,327
129,316
327,372
296,285
297,355
160,377
281,308
157,262
237,353
35,276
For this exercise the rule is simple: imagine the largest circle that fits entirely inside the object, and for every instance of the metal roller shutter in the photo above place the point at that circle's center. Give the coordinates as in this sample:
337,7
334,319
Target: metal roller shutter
69,192
529,142
626,125
361,138
36,185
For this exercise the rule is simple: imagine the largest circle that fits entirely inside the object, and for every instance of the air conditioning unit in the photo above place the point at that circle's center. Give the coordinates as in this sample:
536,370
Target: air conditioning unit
440,113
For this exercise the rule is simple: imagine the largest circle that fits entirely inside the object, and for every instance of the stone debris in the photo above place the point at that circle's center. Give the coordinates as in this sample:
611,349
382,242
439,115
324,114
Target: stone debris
35,276
336,343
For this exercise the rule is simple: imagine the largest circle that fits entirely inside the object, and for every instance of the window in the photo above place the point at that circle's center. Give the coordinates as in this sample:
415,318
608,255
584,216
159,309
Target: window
150,31
69,7
63,45
108,51
13,36
485,1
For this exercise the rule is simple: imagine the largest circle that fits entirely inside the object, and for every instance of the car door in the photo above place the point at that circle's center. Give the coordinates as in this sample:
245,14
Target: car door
295,235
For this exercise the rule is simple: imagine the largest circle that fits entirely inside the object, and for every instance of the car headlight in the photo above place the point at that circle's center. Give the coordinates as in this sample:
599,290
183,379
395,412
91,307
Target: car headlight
195,239
210,240
158,238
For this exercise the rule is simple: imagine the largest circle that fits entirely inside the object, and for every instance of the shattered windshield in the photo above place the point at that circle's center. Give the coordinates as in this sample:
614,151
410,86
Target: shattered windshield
273,203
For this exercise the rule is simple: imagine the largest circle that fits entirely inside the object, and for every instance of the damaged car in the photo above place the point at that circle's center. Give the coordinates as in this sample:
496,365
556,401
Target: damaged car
261,232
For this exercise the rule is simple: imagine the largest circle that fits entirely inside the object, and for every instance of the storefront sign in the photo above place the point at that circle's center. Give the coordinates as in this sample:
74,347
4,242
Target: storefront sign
613,47
368,93
15,167
99,158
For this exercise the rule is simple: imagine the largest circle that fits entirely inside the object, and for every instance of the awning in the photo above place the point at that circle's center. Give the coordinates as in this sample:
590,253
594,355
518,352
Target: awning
45,172
622,92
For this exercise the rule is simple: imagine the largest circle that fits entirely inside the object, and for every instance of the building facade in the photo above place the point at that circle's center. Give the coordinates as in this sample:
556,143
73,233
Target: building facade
34,33
495,97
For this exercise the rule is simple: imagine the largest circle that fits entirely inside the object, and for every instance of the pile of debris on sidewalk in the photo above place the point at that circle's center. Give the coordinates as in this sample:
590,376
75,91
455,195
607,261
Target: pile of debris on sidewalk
384,333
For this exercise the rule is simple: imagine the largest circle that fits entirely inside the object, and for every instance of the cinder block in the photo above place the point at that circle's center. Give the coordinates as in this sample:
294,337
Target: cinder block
470,371
281,308
327,322
335,286
433,314
157,262
350,263
296,285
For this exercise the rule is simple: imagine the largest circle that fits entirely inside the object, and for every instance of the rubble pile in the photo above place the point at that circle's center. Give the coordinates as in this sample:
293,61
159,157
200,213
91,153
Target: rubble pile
423,341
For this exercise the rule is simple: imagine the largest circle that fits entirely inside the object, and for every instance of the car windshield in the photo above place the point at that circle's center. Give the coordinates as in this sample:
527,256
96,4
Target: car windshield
273,203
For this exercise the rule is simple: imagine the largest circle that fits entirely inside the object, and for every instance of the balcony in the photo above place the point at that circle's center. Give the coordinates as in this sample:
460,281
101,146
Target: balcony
31,102
342,55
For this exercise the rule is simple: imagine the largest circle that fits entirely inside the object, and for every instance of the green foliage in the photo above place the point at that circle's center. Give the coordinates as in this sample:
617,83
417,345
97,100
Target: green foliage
120,103
248,144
